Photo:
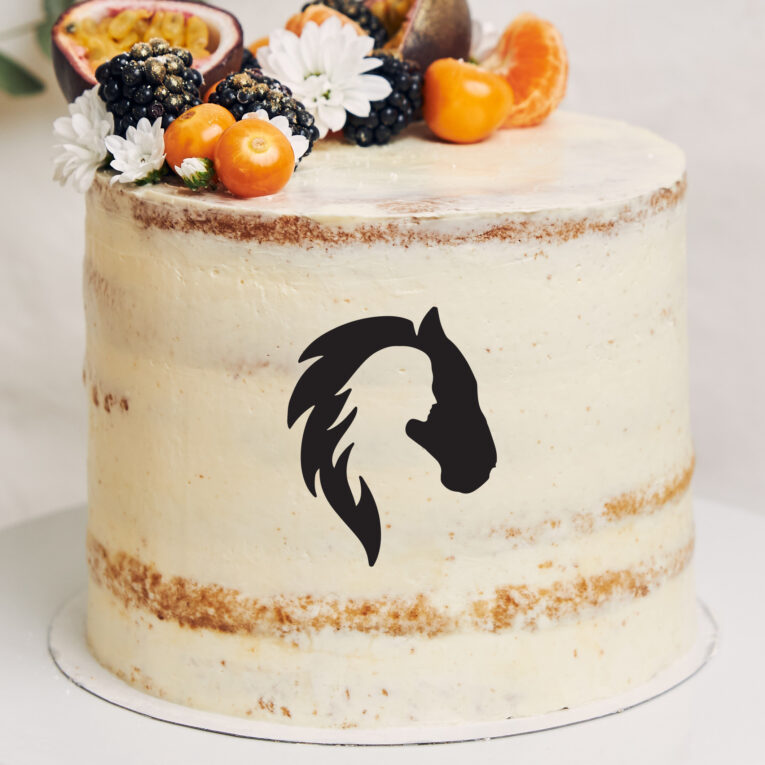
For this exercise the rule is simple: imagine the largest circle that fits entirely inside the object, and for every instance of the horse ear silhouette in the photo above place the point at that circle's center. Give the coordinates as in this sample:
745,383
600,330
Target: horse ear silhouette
430,327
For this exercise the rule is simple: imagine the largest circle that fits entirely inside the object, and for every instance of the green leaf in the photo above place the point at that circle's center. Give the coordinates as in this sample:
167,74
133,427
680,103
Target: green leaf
43,37
53,9
155,176
17,80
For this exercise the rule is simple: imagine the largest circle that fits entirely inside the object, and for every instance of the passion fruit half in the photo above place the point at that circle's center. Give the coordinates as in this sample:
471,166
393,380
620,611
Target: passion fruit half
94,31
425,30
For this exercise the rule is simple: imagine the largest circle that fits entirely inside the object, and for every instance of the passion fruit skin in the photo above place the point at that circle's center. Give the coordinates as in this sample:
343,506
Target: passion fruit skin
434,29
70,80
76,76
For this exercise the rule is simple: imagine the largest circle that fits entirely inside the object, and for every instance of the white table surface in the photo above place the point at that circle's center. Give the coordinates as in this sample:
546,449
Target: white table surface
715,717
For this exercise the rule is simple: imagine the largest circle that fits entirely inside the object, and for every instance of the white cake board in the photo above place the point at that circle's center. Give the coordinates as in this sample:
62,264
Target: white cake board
68,647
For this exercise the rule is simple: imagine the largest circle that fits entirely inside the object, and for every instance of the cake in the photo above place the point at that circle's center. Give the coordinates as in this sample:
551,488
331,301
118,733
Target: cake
405,443
387,366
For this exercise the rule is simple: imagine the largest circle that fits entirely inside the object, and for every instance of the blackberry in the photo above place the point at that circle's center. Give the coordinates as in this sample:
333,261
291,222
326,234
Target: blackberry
391,115
173,64
183,54
141,51
159,47
359,13
151,80
251,90
248,60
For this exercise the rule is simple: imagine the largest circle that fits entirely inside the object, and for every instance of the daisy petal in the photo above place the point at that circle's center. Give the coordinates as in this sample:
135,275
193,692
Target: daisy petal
332,116
357,104
375,87
369,63
326,68
282,125
299,145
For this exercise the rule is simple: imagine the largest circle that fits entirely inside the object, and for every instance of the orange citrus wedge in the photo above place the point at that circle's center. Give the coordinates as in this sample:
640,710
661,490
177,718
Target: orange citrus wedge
532,58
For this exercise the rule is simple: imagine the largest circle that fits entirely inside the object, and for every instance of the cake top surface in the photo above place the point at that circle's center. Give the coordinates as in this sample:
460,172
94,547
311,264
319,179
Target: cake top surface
570,162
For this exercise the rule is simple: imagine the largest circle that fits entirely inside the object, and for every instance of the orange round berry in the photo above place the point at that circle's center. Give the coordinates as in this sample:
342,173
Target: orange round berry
464,103
195,133
253,159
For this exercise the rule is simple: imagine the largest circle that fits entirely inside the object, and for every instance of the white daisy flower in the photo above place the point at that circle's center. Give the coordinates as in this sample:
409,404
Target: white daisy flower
196,172
484,38
82,149
139,156
298,142
325,68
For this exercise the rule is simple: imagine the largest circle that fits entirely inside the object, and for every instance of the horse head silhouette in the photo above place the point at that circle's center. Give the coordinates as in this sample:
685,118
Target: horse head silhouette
455,432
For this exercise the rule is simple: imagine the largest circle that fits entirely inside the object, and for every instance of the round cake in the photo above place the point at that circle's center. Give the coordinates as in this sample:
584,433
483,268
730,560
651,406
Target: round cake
407,442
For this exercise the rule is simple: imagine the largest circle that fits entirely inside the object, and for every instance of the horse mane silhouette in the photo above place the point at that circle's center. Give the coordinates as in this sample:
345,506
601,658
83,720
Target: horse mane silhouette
455,432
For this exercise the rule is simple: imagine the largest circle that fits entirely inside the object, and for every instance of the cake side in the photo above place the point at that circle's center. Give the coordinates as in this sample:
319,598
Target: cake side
218,580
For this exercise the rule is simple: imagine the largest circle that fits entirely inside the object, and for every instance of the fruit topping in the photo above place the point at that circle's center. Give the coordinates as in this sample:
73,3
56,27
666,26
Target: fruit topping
152,80
250,54
463,102
139,156
92,32
532,57
248,60
391,13
140,66
248,92
80,147
425,30
253,158
195,133
327,69
390,115
358,12
319,14
254,47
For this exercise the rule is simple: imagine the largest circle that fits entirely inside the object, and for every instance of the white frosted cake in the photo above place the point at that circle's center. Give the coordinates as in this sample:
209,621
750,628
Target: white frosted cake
504,527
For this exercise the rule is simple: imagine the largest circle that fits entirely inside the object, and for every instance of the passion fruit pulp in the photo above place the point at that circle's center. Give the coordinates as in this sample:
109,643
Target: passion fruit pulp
425,30
94,31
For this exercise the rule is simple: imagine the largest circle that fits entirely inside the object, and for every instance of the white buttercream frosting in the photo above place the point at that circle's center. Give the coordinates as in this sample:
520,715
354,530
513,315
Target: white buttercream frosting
556,257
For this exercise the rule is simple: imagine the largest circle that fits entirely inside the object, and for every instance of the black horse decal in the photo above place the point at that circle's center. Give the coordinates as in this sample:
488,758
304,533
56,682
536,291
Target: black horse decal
455,433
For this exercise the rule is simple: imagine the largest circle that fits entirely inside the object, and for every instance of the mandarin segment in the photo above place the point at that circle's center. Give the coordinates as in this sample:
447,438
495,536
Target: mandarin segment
532,57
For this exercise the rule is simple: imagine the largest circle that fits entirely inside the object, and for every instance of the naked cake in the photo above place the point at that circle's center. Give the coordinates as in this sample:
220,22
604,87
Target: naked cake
220,577
386,367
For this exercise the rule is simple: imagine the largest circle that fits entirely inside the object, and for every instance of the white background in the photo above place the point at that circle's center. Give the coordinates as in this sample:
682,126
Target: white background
693,71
